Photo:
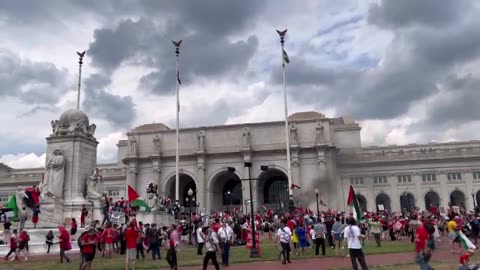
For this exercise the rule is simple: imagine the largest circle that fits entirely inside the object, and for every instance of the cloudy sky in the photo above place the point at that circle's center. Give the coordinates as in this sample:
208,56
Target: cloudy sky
406,70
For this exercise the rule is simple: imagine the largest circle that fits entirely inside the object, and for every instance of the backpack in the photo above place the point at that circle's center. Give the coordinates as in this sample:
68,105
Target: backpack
429,227
79,240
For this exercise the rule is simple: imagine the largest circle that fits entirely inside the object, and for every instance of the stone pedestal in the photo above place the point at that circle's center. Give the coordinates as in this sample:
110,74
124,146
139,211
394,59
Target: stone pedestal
96,210
159,218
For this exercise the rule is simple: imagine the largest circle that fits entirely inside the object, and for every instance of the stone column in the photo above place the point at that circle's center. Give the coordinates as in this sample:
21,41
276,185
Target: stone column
444,198
469,189
295,162
419,198
247,155
132,175
394,193
370,194
203,192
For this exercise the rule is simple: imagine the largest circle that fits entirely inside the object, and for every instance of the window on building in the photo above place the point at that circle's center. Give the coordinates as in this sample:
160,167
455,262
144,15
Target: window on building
3,198
476,175
113,192
405,178
379,179
429,177
454,176
356,180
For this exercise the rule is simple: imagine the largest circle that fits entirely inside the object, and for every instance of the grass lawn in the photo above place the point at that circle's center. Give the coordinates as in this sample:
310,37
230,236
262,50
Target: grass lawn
187,257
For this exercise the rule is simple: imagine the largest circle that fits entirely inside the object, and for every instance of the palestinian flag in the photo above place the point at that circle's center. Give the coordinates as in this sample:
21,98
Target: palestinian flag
135,200
10,208
293,186
285,57
466,243
353,203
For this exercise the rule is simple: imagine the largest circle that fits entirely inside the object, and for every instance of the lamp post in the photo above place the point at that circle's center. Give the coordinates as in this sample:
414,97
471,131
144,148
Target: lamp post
316,195
190,199
253,251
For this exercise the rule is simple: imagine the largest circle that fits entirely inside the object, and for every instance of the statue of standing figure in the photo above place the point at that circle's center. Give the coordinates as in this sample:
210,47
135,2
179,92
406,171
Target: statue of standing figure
156,144
94,185
201,139
55,176
319,136
293,133
246,137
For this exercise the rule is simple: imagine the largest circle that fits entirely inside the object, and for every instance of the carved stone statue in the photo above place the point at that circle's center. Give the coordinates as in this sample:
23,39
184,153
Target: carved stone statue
201,139
94,185
55,176
293,133
91,130
319,136
246,137
156,144
55,126
153,201
133,146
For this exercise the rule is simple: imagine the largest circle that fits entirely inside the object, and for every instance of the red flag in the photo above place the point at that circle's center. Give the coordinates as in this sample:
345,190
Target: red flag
293,186
132,194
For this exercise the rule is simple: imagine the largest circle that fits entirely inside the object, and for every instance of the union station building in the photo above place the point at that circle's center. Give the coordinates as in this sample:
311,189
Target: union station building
326,154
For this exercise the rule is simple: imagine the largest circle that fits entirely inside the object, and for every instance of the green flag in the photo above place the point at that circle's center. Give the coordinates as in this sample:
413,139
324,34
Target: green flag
285,57
12,204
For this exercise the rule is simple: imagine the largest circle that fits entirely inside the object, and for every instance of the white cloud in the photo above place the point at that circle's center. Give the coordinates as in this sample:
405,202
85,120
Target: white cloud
24,160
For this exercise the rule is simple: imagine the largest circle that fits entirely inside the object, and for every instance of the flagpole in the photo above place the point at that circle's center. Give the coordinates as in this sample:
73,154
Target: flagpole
285,105
80,63
177,153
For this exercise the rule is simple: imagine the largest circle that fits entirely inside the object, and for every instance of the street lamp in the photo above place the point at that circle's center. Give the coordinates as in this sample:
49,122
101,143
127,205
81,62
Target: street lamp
253,251
316,195
190,199
228,200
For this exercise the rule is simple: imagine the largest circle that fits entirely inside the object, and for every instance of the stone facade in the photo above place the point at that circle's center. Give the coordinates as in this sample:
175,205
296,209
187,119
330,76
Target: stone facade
326,154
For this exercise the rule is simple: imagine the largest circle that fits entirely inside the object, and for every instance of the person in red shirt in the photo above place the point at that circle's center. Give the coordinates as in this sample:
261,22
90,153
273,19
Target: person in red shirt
88,242
131,235
421,238
109,236
83,215
73,227
13,246
64,241
216,226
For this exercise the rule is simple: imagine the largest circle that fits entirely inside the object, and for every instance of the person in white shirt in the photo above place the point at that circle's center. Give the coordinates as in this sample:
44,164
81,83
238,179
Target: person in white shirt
354,238
284,236
211,244
200,241
226,239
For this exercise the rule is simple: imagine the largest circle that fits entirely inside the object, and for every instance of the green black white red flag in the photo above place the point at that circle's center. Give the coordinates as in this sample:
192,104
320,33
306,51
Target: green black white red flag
135,200
353,203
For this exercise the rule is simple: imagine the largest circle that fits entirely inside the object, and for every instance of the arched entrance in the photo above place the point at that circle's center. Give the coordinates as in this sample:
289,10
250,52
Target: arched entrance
407,202
226,191
273,189
362,202
457,198
186,183
432,199
383,199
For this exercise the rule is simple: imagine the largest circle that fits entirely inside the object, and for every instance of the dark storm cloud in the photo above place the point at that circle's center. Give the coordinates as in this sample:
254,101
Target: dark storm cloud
393,14
98,103
208,49
31,82
417,60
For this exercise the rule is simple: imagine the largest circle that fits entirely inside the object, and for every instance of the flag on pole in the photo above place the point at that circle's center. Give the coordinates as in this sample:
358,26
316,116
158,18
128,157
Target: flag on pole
323,203
135,200
285,57
178,77
12,205
353,203
293,186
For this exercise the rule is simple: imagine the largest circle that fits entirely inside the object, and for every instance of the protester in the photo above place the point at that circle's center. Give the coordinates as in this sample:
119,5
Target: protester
302,239
73,227
226,239
64,241
6,231
35,214
140,244
465,261
23,239
154,241
88,241
284,236
210,238
109,239
131,235
13,246
320,230
376,230
337,236
171,255
200,241
353,238
49,240
83,215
